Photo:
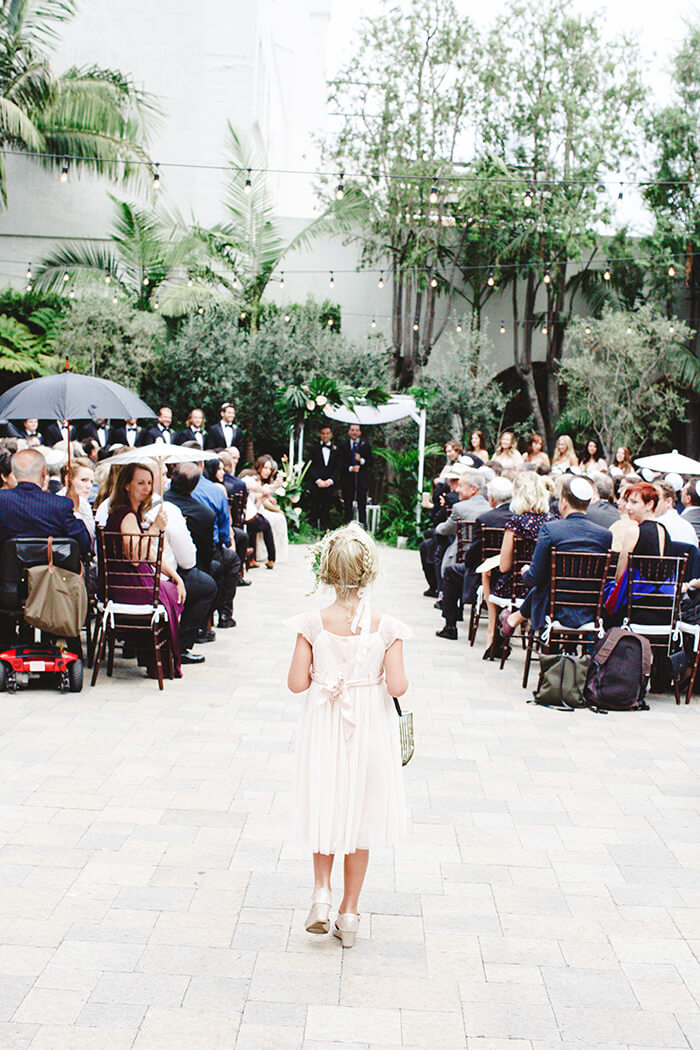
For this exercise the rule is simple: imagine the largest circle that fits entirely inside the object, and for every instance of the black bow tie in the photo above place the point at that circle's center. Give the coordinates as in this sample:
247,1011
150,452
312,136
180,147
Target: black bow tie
229,426
131,429
325,446
196,430
165,430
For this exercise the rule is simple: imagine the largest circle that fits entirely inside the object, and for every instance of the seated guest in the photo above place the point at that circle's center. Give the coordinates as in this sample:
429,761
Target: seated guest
28,510
574,532
624,528
272,482
78,479
529,511
535,454
460,582
230,457
194,429
651,537
469,506
444,498
564,456
214,496
592,462
123,434
91,449
477,445
602,509
161,433
255,522
129,502
678,528
7,478
690,498
507,451
622,462
453,450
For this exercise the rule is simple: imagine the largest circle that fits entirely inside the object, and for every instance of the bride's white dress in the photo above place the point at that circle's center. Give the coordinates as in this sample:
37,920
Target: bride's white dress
278,522
348,786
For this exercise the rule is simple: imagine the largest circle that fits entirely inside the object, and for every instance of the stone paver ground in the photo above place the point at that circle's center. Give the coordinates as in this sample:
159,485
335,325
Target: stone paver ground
546,898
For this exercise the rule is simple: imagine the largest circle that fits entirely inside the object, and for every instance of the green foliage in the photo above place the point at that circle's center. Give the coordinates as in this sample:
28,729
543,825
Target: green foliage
20,351
398,516
111,340
461,378
212,359
623,374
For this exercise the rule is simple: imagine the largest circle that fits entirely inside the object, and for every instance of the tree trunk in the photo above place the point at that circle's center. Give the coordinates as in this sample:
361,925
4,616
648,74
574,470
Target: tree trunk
525,368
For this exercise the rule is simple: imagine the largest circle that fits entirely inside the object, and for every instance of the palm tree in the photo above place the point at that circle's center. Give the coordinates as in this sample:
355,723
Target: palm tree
94,118
250,245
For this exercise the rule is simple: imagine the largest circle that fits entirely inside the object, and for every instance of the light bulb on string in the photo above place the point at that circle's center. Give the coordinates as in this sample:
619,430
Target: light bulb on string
114,299
434,194
286,317
547,277
156,176
331,283
587,330
243,315
373,323
30,286
29,271
629,330
65,277
672,270
433,282
107,278
671,329
502,329
459,327
156,304
528,197
340,188
490,280
380,282
545,330
190,282
282,279
146,281
200,310
415,326
71,294
329,322
63,177
606,274
620,195
248,183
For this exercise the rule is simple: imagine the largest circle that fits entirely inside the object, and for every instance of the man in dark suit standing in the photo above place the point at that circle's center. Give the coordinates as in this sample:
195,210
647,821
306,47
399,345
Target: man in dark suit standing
125,433
161,432
27,510
323,477
61,430
225,433
572,532
194,430
355,457
97,431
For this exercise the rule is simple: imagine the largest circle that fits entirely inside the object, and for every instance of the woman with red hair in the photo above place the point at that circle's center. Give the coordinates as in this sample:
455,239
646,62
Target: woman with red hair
651,538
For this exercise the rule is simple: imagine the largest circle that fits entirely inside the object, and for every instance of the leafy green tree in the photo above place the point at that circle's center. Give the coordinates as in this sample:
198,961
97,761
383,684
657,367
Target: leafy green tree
111,340
560,110
95,117
406,95
624,374
21,351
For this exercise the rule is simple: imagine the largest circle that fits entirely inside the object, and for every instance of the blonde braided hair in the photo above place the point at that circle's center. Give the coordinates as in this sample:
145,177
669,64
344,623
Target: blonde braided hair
346,560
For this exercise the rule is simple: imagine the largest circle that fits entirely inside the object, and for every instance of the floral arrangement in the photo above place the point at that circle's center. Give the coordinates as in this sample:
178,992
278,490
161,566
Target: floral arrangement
289,496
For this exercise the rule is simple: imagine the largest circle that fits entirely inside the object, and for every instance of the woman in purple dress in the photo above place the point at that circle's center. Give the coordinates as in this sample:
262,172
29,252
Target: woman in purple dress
130,499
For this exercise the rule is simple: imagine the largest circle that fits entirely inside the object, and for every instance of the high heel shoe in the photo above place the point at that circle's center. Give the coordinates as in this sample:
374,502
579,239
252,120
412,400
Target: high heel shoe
345,928
318,919
491,652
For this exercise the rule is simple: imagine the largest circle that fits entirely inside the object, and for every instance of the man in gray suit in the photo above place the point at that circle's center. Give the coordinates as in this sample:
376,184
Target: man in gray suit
602,509
469,506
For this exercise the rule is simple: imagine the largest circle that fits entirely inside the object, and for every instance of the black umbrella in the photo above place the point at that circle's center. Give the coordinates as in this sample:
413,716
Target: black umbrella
70,395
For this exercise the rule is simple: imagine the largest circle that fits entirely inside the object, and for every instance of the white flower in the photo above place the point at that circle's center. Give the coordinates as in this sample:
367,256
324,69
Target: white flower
321,400
310,406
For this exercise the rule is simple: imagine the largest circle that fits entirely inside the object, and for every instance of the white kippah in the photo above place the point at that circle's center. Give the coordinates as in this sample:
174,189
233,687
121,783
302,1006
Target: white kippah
647,474
697,488
581,489
674,479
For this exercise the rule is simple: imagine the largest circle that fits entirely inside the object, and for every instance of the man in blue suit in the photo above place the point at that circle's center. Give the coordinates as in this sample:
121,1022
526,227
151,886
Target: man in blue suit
27,510
573,532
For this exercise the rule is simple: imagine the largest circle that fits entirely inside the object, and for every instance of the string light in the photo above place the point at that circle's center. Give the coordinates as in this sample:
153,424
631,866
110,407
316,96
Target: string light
146,281
156,176
620,194
547,277
65,277
114,299
490,280
459,327
629,330
329,322
529,197
282,279
587,330
190,282
71,294
671,329
29,287
155,305
340,188
672,270
434,194
331,283
107,278
29,271
415,326
248,184
243,315
502,329
63,177
433,282
373,323
286,317
380,282
200,310
606,274
545,330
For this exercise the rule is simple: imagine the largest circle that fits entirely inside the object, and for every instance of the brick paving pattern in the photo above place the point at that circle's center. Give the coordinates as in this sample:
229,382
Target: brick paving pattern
546,898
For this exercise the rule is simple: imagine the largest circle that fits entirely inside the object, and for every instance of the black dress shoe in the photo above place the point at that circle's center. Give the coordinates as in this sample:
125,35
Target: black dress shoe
225,622
205,636
243,583
448,632
430,593
188,657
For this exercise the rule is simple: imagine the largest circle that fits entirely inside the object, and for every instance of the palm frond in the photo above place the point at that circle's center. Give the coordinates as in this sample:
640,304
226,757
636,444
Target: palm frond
36,20
17,126
84,262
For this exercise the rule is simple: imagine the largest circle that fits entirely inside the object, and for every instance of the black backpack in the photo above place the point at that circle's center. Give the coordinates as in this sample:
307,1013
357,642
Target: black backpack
619,671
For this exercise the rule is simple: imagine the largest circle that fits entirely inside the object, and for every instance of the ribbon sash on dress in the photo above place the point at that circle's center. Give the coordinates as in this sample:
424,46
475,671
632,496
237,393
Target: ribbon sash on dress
337,693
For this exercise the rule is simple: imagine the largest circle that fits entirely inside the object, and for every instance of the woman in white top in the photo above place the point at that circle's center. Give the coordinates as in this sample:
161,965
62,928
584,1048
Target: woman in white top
271,483
78,480
507,451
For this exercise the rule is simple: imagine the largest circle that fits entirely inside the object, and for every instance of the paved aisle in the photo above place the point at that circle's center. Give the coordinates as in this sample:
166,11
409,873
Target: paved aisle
548,895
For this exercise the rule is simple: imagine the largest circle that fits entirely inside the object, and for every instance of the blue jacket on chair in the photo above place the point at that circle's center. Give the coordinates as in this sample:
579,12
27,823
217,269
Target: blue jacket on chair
576,532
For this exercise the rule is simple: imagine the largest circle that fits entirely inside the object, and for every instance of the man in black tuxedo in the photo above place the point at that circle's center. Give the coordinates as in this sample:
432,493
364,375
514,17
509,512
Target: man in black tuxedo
225,433
61,430
161,432
28,428
98,431
354,458
125,433
323,477
194,430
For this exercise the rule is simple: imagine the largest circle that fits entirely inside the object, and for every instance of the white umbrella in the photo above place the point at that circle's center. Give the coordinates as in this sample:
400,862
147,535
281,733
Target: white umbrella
670,463
164,453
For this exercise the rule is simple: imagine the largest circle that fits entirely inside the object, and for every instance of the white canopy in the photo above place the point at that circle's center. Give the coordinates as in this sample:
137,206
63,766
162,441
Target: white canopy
670,462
